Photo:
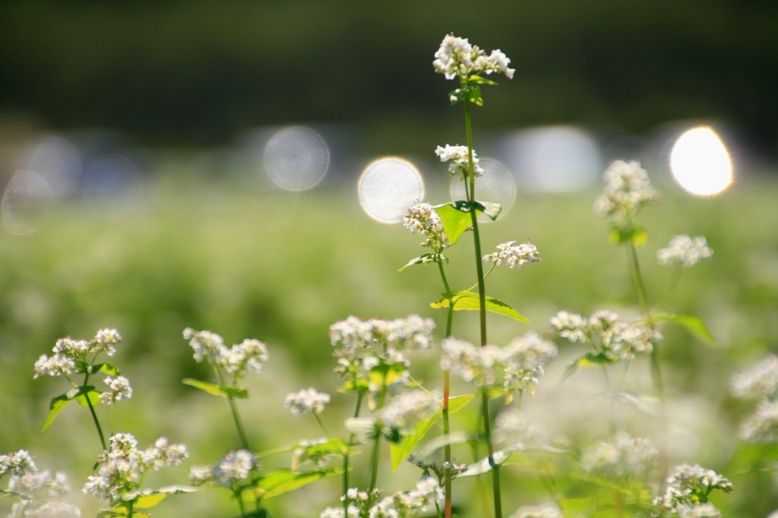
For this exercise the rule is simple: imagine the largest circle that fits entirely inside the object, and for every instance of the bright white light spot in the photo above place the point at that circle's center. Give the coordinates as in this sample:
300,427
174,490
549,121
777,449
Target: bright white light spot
700,162
388,188
496,186
25,198
296,159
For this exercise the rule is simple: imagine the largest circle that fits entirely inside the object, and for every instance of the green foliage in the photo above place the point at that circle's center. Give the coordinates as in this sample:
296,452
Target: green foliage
225,391
469,301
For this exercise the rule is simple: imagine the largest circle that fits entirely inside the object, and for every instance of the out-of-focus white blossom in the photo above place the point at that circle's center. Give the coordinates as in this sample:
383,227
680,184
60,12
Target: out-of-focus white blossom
604,330
762,425
457,57
757,381
546,510
249,355
627,190
624,456
17,464
460,160
120,390
306,401
41,496
408,408
426,494
514,255
422,219
234,468
684,251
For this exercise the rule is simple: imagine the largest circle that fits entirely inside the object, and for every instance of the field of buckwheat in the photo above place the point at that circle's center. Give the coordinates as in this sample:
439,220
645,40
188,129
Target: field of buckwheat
603,353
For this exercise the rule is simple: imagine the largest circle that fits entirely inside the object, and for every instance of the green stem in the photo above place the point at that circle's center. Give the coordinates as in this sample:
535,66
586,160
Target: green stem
482,312
239,498
129,508
446,395
244,441
346,457
321,424
94,415
375,457
673,285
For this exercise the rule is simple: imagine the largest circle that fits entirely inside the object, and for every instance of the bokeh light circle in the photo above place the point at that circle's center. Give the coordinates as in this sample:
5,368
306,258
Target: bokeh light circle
296,158
24,200
496,185
388,187
700,162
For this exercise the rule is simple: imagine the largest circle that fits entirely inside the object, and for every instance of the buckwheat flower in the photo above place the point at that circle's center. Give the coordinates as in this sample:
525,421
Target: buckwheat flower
684,251
762,425
338,512
530,350
627,190
200,474
47,510
77,349
104,341
408,408
306,401
623,456
120,390
546,510
163,454
514,255
206,345
423,220
515,432
758,381
460,160
570,325
40,492
249,355
234,468
473,364
457,57
688,486
17,464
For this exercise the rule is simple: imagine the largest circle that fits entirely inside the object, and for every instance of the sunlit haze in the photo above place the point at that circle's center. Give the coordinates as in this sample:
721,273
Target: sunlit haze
700,162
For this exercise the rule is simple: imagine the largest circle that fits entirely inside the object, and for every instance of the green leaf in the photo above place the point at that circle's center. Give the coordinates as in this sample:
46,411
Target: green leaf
151,497
469,301
87,392
455,217
282,481
384,374
591,360
576,507
486,464
224,391
474,95
622,236
692,323
490,209
479,80
106,368
441,441
400,450
55,407
422,259
149,501
358,385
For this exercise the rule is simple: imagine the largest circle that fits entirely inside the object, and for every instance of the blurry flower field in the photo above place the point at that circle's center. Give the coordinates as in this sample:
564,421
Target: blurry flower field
282,267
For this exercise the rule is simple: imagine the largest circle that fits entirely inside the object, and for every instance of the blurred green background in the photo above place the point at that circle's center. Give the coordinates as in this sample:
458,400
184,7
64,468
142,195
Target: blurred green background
208,243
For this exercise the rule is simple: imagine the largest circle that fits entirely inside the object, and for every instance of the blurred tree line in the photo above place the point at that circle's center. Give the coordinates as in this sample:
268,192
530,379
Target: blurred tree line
199,71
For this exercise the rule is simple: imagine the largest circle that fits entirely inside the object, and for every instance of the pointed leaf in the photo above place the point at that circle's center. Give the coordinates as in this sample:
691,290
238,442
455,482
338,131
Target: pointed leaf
590,359
692,323
55,407
80,395
106,368
456,219
486,464
282,481
149,498
422,259
400,450
479,80
384,374
224,391
149,501
622,236
490,209
474,96
467,300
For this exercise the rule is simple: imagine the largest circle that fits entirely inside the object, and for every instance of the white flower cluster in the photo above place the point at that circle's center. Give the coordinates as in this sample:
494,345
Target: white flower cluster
121,468
546,510
627,189
684,251
309,453
514,255
457,57
120,390
604,329
759,381
408,408
516,432
41,493
460,160
17,464
249,355
68,351
515,368
306,401
361,345
363,504
687,489
422,219
232,469
623,457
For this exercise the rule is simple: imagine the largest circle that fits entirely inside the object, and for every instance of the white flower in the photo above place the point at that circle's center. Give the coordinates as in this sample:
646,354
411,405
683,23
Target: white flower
514,255
206,345
687,485
758,381
250,355
570,325
408,408
762,425
422,219
603,326
460,160
57,365
457,57
17,464
623,456
306,401
120,390
627,189
235,467
684,251
546,510
104,340
199,474
40,492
